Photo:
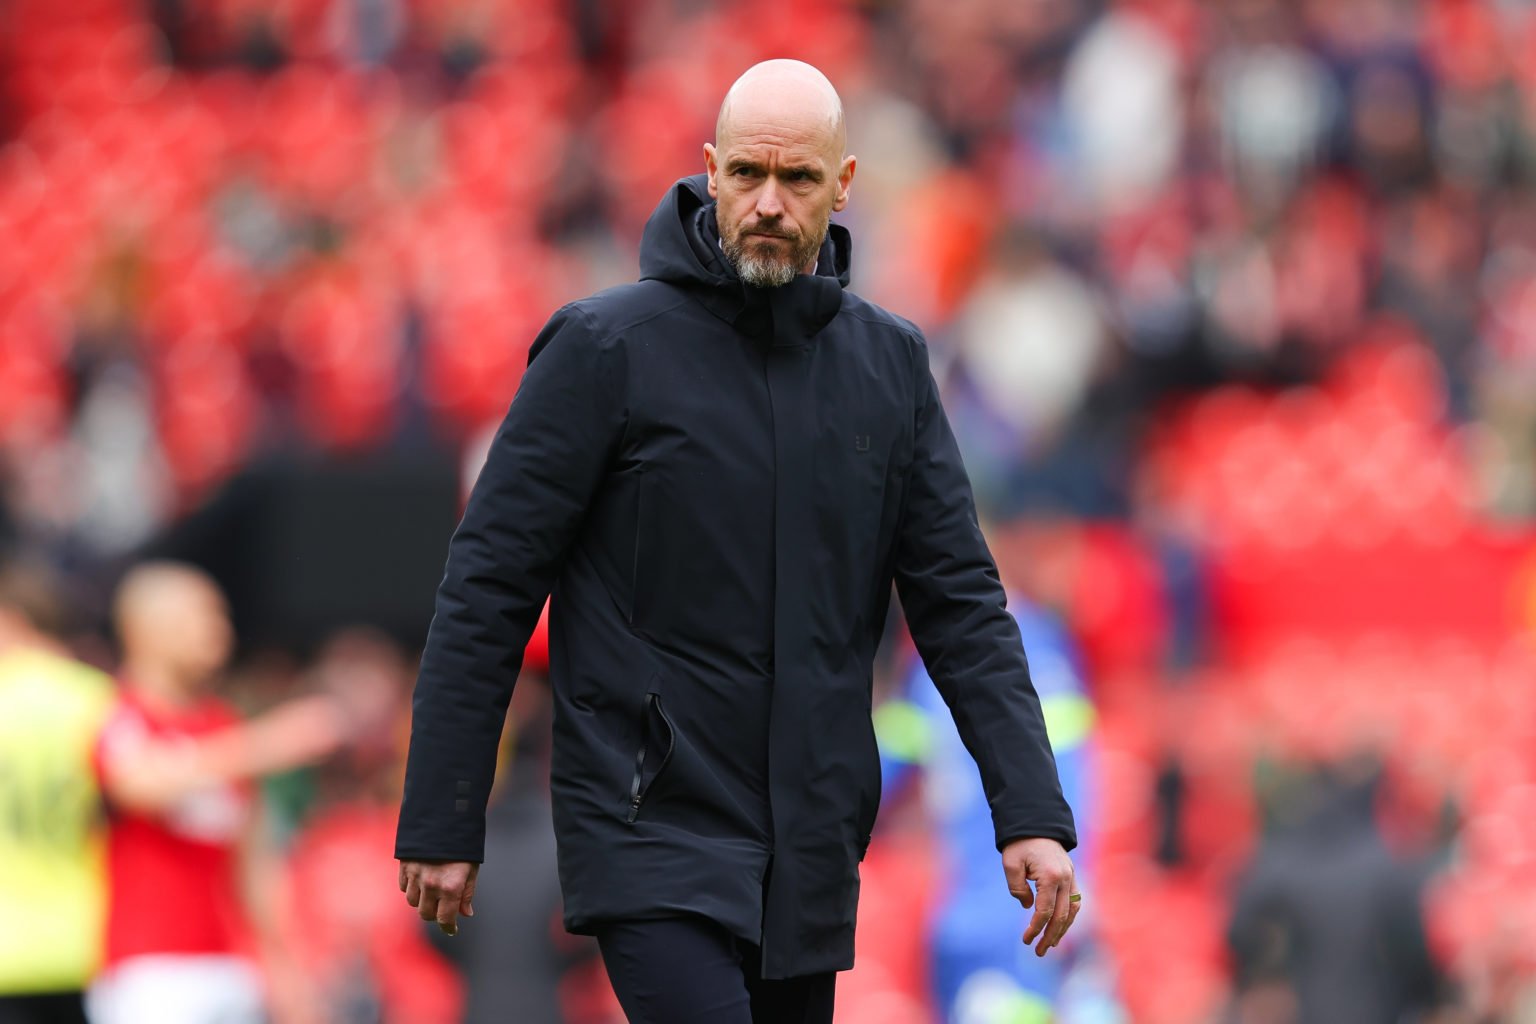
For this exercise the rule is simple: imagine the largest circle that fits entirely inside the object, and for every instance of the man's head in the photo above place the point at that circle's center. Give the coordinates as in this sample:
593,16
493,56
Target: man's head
174,626
31,610
777,169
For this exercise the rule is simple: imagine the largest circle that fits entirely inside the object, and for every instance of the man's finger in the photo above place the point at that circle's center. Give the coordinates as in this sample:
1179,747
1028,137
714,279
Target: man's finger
1072,915
1055,934
448,915
427,908
402,876
1024,895
466,905
413,889
1045,905
1059,920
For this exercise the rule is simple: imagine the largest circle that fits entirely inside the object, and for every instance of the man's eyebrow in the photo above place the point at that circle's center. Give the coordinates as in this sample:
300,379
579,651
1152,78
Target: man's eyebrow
735,162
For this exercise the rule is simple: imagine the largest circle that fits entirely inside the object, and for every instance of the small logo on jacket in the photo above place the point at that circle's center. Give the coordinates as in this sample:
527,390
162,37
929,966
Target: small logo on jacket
861,442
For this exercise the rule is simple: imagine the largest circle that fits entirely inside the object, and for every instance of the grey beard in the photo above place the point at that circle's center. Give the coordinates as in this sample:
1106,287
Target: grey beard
766,272
759,272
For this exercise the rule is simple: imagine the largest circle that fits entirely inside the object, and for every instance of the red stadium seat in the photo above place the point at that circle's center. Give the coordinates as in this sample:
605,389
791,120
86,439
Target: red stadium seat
207,415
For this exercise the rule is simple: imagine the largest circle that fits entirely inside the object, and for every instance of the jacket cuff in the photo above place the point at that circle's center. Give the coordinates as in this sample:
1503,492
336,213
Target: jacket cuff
421,842
434,857
1066,838
1044,823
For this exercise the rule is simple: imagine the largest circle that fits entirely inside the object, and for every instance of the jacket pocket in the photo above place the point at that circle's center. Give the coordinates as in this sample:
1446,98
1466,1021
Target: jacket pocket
656,742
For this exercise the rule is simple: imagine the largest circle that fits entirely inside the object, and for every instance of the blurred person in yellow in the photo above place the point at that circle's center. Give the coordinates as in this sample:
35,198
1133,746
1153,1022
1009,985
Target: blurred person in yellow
52,896
191,937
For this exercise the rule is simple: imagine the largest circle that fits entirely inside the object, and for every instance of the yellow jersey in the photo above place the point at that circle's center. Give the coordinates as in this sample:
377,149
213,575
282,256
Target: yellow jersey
52,878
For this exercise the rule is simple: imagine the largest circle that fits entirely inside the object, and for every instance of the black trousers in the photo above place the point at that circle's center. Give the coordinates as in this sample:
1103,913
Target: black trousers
689,970
54,1008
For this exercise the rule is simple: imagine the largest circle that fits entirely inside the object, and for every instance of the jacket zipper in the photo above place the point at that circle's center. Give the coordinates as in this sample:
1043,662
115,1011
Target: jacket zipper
637,787
635,793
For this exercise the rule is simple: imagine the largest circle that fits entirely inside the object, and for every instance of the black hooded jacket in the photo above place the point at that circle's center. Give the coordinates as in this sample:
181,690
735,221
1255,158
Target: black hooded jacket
718,484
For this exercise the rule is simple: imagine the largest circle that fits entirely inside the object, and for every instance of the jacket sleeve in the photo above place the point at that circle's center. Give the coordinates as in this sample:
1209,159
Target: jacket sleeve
957,613
545,463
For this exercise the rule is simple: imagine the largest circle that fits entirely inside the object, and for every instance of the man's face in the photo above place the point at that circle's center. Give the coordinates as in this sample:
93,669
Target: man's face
777,184
201,640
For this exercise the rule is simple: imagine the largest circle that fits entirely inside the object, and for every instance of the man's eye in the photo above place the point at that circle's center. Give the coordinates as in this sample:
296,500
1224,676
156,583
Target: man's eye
799,176
743,172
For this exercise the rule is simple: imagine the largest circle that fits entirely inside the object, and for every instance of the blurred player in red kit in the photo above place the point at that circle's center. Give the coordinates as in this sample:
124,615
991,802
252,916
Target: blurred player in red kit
189,925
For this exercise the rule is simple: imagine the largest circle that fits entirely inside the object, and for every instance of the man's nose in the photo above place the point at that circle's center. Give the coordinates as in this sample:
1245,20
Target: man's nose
768,201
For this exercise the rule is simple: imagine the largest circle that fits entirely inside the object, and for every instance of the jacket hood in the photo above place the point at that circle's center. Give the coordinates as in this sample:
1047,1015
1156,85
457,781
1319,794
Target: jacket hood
681,246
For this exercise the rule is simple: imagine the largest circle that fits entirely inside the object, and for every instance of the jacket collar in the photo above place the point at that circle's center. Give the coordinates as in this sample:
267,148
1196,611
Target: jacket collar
682,245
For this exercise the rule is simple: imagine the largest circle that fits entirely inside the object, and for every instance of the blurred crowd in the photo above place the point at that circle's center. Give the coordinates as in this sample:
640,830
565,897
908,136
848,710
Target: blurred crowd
1234,308
337,222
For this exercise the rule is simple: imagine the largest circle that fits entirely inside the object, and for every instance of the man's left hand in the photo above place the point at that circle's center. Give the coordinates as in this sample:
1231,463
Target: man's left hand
1044,862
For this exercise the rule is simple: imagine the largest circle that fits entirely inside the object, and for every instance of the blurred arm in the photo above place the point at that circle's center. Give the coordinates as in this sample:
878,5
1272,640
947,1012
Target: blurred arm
141,773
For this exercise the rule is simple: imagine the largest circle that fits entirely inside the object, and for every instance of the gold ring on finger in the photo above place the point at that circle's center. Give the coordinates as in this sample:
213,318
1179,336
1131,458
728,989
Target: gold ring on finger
1076,897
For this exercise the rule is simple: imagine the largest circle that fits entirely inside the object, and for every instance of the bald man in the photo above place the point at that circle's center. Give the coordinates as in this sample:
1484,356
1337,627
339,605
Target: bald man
190,880
718,472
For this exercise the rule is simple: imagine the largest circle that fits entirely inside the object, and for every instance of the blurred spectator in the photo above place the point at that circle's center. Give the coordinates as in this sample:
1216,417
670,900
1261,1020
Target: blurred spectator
1274,105
1032,340
1327,926
188,869
1429,277
980,972
1121,95
53,898
1170,792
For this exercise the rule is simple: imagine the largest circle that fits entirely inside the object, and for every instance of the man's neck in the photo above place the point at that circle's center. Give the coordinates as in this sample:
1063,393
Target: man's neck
159,687
18,641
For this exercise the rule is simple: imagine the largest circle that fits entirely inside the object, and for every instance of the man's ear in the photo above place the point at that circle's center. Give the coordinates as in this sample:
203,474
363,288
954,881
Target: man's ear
711,168
844,180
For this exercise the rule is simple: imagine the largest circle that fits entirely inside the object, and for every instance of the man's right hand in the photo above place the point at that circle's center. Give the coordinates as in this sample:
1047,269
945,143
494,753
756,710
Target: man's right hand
440,892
